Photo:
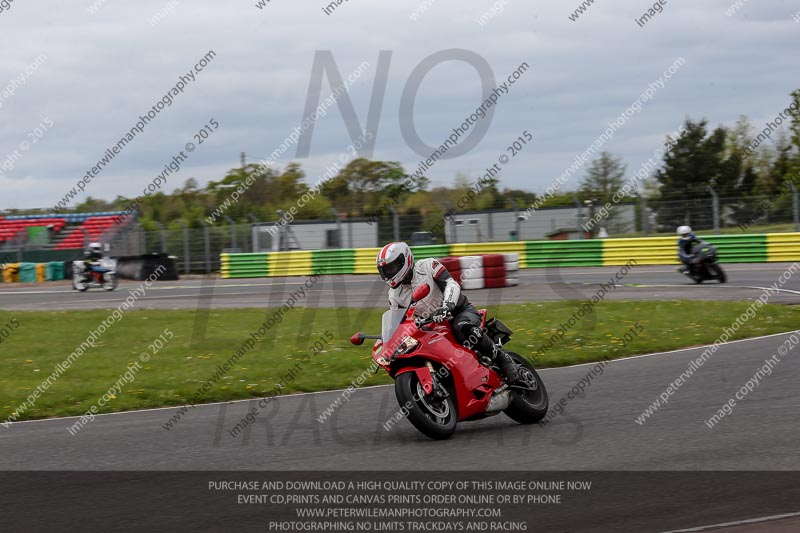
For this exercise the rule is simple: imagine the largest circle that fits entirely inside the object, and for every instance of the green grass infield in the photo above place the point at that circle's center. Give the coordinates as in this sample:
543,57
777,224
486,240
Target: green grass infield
205,356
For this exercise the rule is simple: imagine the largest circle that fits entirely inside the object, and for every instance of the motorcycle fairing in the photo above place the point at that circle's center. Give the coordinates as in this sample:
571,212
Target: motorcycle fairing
472,381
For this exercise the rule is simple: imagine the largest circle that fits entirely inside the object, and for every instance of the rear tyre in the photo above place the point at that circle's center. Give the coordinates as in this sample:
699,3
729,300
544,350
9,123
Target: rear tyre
434,417
527,406
79,283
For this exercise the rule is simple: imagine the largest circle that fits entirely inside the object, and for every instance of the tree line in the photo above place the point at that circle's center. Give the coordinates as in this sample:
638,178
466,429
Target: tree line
741,163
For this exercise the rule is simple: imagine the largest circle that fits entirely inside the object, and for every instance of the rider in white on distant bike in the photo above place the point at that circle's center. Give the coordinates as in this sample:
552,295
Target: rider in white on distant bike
92,258
397,268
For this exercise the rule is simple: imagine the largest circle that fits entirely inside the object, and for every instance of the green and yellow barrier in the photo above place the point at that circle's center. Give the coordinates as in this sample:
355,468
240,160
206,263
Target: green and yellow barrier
739,248
243,265
664,250
294,263
365,260
588,252
333,261
783,247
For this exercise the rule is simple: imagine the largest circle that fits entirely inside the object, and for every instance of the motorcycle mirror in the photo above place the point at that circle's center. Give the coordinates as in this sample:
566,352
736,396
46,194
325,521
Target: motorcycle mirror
357,339
421,292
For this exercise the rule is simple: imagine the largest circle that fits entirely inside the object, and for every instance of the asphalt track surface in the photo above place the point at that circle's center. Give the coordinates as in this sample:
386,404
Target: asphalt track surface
746,281
598,432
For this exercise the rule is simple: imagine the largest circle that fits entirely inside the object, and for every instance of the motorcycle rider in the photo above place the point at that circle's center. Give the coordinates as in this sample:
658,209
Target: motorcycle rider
686,240
397,268
92,258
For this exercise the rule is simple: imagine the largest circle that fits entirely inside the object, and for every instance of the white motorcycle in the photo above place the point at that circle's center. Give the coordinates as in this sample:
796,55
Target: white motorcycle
102,276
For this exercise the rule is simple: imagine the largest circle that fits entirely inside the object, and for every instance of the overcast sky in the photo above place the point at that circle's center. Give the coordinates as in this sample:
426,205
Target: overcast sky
104,69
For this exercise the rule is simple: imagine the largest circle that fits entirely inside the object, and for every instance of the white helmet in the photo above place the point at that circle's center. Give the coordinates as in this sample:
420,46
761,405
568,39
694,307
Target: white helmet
684,232
96,247
395,261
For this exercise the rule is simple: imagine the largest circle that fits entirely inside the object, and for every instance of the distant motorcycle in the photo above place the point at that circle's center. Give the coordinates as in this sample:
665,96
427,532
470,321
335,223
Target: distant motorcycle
704,265
102,276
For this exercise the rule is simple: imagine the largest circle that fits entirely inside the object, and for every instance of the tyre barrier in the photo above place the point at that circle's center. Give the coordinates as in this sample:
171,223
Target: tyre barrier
484,271
471,271
142,267
494,271
134,267
32,272
453,265
512,268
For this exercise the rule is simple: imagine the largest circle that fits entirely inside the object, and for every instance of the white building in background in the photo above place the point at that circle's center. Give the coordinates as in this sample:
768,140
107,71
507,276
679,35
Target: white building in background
481,226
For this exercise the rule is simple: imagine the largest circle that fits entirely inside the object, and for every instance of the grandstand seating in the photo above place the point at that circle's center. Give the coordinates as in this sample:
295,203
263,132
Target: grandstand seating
11,226
68,225
96,225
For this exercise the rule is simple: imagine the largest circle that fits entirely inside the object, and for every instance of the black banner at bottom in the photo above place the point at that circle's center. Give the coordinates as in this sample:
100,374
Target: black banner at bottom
402,501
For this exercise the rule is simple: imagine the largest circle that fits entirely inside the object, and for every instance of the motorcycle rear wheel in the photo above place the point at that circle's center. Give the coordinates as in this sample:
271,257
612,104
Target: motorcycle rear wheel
528,407
79,283
436,418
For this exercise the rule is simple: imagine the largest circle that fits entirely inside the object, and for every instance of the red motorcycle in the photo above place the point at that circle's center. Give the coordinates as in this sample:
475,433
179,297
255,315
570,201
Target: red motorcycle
439,382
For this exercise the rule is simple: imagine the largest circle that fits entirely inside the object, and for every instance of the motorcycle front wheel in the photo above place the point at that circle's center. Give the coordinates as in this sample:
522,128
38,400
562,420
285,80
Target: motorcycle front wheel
109,282
527,406
718,272
434,417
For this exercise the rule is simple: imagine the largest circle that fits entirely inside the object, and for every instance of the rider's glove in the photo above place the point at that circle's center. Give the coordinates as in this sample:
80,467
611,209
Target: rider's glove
440,314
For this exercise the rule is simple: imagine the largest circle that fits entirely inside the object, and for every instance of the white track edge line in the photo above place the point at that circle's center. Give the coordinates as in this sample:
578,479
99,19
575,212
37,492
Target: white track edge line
736,523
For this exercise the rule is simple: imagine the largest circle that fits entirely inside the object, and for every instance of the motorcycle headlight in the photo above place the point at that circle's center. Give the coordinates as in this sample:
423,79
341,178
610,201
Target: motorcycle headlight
407,345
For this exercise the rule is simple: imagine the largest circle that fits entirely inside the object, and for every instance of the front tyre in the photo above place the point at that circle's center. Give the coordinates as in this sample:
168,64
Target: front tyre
527,406
718,273
109,281
435,417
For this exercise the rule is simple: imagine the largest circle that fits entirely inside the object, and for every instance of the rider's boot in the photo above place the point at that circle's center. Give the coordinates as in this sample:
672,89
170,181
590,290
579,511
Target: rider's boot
508,368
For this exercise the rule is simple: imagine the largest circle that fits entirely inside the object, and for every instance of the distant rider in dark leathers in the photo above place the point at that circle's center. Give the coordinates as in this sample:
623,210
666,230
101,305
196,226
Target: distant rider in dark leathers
686,242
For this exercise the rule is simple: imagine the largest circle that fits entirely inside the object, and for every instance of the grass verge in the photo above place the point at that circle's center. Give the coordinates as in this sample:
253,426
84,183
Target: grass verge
41,340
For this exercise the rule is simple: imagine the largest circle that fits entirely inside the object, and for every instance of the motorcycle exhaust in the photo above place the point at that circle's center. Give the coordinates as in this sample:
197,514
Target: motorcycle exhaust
499,402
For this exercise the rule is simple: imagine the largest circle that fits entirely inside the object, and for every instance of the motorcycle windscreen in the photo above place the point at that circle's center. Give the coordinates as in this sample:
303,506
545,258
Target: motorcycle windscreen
389,322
